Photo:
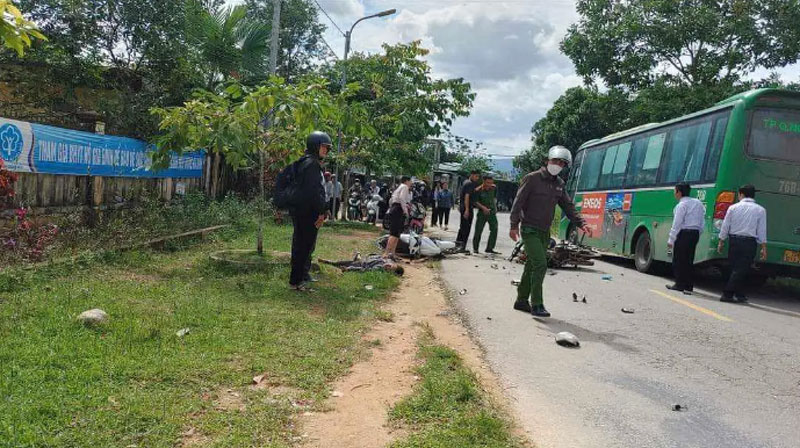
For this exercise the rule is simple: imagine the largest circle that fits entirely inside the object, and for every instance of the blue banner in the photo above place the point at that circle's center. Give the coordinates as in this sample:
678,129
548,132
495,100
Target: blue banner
35,148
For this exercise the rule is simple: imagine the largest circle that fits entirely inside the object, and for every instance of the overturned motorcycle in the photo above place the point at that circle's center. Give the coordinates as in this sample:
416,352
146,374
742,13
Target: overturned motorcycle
413,245
560,255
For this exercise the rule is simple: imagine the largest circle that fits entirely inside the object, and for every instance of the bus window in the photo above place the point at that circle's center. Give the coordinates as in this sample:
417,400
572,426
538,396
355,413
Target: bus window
620,165
608,167
686,152
775,135
645,160
590,171
575,171
717,142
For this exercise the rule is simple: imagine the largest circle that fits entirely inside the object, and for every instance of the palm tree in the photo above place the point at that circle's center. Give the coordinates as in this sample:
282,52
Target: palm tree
229,44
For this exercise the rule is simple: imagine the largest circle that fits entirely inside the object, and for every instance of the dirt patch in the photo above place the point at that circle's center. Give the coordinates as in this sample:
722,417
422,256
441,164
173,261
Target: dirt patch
193,438
229,400
360,401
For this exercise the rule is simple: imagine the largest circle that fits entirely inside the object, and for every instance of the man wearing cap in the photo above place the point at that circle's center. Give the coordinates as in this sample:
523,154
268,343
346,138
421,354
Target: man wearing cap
745,225
534,207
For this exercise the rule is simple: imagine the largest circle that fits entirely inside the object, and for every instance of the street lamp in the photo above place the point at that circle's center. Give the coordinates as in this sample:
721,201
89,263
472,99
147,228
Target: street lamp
347,37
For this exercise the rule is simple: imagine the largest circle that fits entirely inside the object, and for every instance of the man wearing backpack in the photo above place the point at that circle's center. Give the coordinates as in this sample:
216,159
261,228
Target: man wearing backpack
301,189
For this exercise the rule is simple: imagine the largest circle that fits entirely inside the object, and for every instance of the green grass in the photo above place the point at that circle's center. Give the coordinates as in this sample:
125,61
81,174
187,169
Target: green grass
448,408
134,382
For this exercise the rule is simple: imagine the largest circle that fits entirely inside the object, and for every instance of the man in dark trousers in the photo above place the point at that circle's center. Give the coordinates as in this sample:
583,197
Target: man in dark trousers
465,209
689,219
485,200
309,215
745,225
535,207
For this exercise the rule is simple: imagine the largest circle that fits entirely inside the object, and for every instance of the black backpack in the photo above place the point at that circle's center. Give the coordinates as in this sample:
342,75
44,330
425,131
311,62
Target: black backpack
284,195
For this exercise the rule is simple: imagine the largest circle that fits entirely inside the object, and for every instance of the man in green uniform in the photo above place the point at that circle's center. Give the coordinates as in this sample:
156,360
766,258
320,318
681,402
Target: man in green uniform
534,207
485,200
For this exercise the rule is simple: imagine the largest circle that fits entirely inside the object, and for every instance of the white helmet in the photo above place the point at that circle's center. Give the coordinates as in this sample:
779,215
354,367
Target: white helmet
560,153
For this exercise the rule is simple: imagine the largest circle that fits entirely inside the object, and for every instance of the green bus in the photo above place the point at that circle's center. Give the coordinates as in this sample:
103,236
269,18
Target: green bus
623,184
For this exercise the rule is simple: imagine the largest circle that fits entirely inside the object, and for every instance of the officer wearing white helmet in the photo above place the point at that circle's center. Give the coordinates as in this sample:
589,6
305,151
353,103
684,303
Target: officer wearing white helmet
534,208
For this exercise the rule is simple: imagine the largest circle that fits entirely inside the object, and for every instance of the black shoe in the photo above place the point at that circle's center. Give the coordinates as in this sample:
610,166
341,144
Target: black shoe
675,288
539,311
476,252
727,299
492,251
522,306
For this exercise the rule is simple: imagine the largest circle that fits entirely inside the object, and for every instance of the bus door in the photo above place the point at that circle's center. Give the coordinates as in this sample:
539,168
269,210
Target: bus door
774,146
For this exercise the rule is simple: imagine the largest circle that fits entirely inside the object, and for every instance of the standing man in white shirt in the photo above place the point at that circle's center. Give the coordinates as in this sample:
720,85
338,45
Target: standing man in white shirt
745,225
687,225
399,208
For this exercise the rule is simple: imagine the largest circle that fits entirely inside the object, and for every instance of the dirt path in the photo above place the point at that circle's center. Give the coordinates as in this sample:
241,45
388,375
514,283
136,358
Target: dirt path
361,400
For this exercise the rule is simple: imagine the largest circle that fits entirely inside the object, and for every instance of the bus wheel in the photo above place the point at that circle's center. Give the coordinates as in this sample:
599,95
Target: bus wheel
643,255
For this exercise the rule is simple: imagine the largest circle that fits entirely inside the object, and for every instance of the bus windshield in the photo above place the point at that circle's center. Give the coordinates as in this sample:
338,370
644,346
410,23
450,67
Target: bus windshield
775,135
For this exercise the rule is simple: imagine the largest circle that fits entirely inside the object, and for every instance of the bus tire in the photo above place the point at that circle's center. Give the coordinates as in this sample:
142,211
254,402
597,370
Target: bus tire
643,253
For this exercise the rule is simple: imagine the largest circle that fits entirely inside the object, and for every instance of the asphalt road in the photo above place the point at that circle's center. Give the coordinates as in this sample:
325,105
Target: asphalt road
734,368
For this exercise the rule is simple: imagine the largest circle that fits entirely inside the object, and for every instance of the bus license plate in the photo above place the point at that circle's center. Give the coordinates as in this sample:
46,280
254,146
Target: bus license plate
791,256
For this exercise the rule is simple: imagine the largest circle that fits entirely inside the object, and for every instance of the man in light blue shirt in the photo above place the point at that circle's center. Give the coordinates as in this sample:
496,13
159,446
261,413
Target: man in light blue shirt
745,225
689,219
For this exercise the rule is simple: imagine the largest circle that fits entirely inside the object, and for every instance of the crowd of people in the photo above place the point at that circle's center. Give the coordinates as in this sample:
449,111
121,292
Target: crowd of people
320,193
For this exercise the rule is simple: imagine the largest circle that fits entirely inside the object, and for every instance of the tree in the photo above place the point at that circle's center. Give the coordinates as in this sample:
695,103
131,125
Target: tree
16,32
229,44
245,125
579,115
633,44
130,55
404,103
301,44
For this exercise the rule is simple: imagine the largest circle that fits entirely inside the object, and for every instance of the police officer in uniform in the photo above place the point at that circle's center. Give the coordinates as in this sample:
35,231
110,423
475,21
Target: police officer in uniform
534,207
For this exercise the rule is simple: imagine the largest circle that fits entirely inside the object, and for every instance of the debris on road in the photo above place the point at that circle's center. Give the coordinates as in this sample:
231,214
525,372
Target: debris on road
93,317
584,299
574,297
567,339
552,272
488,318
678,407
337,394
607,277
515,282
462,292
560,255
495,266
628,310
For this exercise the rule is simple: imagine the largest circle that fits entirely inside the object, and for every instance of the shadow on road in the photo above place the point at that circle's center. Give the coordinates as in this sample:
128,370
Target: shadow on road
610,339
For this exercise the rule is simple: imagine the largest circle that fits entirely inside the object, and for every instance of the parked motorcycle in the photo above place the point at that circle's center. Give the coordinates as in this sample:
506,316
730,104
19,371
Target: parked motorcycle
373,208
354,207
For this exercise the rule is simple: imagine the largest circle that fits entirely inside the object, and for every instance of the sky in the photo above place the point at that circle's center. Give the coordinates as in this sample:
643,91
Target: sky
507,50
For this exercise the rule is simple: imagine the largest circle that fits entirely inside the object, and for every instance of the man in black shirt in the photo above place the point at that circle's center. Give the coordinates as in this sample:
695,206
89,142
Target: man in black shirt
309,215
465,208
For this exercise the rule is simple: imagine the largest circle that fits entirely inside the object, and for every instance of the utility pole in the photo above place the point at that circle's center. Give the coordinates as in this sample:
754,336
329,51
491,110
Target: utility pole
275,40
347,38
274,43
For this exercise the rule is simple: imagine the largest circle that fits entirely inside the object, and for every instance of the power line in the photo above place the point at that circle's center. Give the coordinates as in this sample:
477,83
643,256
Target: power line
333,53
329,17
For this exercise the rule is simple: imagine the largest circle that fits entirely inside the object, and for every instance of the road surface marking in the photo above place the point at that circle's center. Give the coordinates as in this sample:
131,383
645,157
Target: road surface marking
693,306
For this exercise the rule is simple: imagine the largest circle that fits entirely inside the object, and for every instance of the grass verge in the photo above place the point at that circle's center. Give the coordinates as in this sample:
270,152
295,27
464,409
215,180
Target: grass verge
448,408
135,383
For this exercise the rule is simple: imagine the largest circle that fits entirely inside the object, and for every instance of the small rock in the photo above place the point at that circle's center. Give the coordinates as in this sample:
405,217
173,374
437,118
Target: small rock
628,310
678,407
369,287
567,339
337,394
488,318
607,277
495,266
93,317
462,292
574,297
584,299
182,332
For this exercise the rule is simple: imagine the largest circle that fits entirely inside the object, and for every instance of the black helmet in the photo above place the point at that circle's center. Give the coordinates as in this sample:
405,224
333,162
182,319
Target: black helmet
315,140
